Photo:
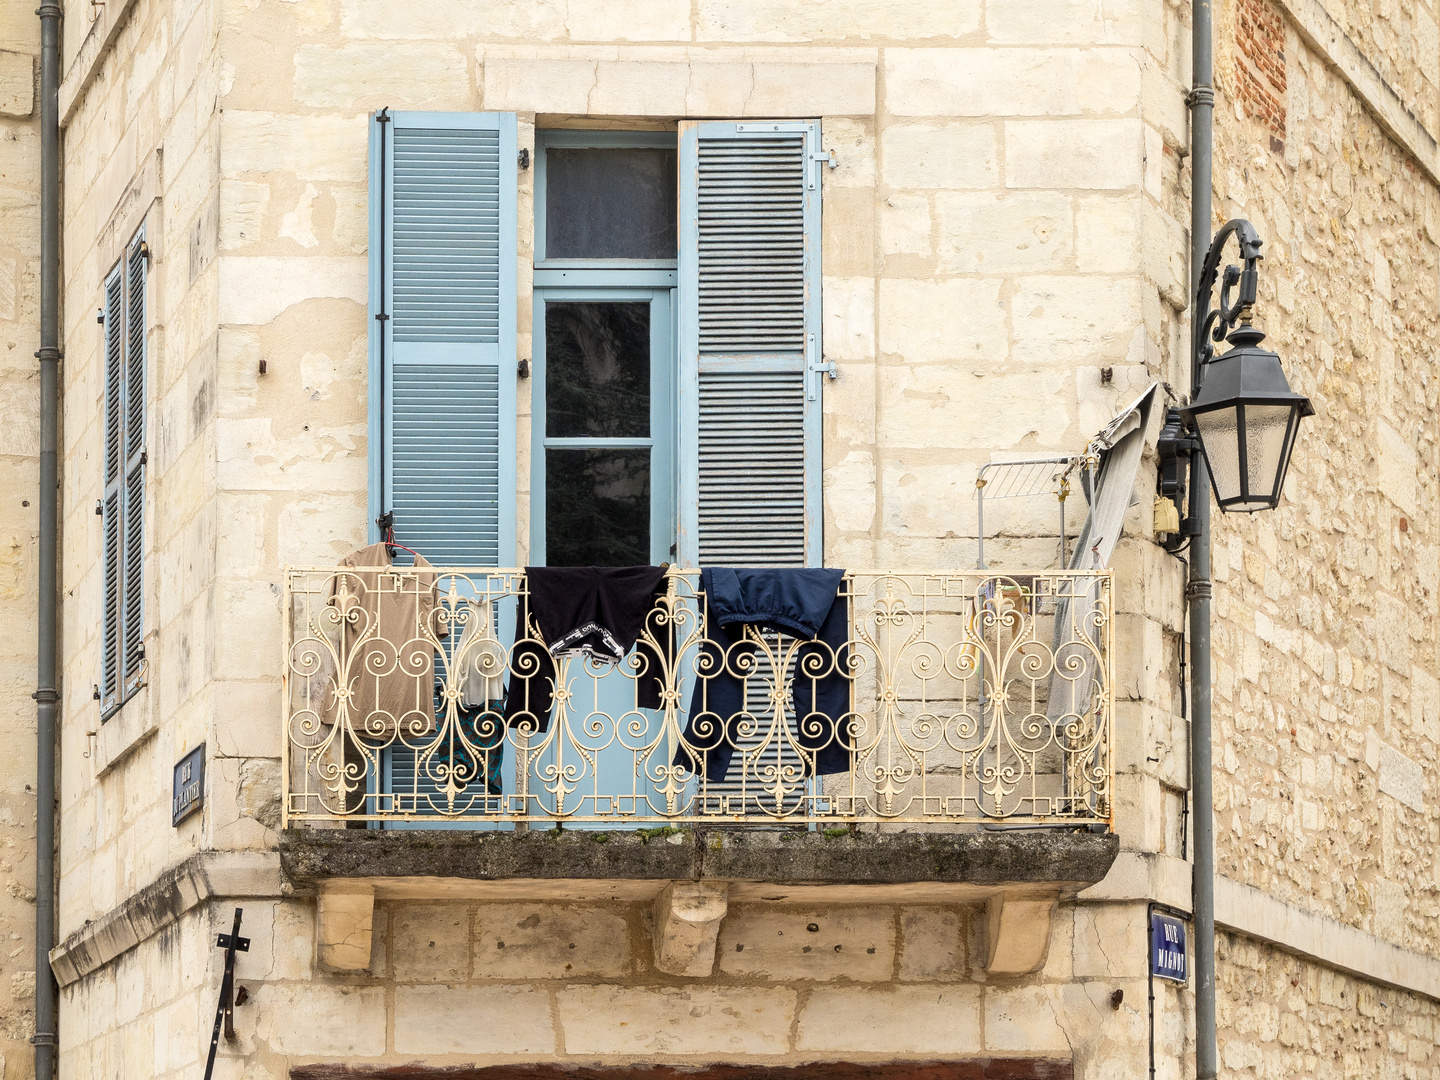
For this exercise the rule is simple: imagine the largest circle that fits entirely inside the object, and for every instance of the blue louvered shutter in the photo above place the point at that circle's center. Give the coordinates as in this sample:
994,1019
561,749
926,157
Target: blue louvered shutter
749,296
122,651
443,252
111,555
133,591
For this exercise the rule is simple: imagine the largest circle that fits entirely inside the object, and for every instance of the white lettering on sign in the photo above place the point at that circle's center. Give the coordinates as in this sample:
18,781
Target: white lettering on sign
1167,952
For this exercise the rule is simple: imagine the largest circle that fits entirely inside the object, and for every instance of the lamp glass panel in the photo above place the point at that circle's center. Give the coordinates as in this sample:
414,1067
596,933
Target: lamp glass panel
1221,440
1266,428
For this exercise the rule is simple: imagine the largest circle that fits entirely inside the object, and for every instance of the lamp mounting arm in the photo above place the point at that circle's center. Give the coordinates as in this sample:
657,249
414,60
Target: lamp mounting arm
1214,324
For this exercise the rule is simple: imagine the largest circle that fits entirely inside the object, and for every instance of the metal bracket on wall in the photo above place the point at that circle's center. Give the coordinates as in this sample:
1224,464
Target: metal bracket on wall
225,1010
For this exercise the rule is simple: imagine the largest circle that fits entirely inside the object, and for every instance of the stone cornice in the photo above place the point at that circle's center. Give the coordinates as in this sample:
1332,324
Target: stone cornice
93,50
207,875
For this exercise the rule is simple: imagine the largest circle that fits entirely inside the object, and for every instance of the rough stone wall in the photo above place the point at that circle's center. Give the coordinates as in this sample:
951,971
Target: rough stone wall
140,147
1327,702
1402,41
1279,1015
19,470
495,983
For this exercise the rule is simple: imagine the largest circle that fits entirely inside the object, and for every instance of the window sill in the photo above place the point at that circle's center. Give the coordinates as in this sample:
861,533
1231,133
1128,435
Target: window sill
124,732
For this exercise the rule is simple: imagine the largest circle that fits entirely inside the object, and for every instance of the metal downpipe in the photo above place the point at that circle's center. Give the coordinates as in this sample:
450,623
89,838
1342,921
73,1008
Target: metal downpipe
47,691
1202,112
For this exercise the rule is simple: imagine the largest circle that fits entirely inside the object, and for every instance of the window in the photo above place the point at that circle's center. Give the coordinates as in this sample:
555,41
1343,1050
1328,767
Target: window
612,201
122,663
675,397
675,376
603,472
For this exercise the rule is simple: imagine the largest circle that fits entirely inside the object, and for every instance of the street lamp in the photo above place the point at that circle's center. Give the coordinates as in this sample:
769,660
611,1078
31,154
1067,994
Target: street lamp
1243,417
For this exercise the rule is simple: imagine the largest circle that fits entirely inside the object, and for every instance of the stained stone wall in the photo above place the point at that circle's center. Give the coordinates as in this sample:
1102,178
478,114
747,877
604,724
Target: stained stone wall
140,147
1327,700
19,523
1004,266
494,983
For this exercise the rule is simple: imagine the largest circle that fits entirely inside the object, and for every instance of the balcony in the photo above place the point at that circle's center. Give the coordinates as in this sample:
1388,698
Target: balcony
970,701
950,742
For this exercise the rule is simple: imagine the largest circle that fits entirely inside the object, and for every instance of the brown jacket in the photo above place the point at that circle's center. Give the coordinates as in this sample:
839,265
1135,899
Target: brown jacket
385,628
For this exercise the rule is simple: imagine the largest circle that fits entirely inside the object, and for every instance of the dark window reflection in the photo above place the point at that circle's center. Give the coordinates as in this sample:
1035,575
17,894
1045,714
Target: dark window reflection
610,203
597,370
597,507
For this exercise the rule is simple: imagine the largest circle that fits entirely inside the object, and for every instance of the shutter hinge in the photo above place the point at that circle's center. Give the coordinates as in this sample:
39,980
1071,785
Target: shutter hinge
382,116
816,367
817,157
524,157
144,457
99,508
100,315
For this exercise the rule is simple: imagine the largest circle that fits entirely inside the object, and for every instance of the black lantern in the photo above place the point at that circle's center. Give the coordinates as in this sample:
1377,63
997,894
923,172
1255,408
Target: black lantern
1246,417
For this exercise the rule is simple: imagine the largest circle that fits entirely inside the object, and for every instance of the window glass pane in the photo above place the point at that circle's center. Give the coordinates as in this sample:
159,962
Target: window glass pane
597,370
597,507
610,203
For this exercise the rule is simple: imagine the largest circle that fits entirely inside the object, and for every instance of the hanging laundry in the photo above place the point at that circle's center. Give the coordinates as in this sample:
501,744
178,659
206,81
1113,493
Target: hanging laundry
801,603
372,620
479,658
598,612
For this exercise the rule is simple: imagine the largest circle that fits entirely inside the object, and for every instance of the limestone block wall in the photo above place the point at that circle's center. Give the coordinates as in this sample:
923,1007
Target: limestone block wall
495,983
19,475
139,148
1327,701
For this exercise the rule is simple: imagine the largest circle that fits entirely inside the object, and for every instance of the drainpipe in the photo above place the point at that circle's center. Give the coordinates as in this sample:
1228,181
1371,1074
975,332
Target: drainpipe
1202,112
47,694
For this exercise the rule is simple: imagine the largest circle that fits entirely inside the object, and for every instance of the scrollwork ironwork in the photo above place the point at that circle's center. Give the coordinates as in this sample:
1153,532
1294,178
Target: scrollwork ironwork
972,697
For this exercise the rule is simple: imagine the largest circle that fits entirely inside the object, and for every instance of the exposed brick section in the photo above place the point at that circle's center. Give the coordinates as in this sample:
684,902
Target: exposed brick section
1260,65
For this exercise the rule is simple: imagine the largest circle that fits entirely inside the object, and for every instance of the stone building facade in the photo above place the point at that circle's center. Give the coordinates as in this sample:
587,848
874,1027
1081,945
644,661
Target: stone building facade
19,456
1003,267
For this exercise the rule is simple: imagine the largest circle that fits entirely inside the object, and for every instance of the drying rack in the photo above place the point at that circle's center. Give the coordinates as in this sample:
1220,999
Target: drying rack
1029,477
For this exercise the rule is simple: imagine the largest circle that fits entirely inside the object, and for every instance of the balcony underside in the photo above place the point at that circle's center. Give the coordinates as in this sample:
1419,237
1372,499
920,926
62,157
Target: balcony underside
759,864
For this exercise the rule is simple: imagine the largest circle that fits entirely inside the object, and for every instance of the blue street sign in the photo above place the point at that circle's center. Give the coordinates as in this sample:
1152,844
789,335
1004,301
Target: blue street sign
1167,948
188,792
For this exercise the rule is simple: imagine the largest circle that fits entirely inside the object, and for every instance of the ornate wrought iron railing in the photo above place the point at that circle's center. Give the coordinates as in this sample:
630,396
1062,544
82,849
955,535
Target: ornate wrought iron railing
963,698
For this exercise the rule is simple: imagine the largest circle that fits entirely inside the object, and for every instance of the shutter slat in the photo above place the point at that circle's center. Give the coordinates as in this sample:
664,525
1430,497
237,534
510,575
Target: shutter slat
110,627
445,235
114,372
445,462
133,599
751,469
135,353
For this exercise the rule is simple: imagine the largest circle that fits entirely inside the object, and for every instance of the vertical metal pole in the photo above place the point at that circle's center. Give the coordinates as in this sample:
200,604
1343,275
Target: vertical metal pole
47,694
1202,110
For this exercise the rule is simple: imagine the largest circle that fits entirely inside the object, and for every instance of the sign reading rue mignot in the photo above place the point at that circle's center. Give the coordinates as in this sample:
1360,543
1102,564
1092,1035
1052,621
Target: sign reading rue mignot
1167,948
189,791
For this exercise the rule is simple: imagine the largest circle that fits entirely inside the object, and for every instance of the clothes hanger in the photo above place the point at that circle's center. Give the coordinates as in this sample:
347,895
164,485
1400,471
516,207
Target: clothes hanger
386,521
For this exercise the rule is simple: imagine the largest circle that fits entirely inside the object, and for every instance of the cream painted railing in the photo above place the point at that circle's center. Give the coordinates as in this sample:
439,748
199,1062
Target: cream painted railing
964,697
